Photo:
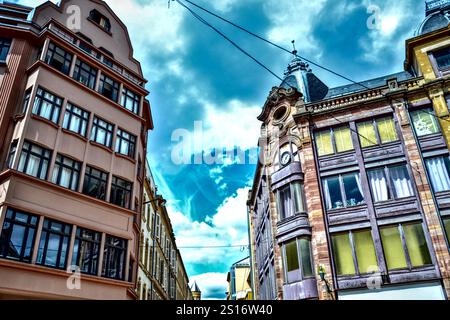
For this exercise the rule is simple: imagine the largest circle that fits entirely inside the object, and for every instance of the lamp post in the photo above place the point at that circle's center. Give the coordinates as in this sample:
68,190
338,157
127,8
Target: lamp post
322,273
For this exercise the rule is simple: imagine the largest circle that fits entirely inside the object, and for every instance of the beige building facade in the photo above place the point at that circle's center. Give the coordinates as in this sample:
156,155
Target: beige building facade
74,119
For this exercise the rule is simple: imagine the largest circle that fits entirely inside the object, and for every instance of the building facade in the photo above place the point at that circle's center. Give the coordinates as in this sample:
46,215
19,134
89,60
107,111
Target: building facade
74,122
239,281
350,199
162,275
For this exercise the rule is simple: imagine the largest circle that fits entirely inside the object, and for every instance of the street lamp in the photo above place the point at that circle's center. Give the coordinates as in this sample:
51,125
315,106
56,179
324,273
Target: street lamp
322,273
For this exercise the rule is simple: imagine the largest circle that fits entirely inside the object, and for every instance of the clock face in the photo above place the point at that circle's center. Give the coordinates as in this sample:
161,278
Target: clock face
285,158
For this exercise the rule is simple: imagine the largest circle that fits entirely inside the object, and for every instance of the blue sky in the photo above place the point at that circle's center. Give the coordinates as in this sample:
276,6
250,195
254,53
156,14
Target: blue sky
194,75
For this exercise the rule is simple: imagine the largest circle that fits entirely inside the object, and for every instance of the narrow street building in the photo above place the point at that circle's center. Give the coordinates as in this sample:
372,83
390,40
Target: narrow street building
73,122
351,197
239,281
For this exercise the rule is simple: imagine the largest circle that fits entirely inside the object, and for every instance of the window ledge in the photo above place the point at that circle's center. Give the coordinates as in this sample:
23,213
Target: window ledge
346,209
77,135
39,118
96,144
125,157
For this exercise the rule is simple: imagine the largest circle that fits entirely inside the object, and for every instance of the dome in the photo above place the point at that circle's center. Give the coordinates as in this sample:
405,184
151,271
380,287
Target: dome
437,16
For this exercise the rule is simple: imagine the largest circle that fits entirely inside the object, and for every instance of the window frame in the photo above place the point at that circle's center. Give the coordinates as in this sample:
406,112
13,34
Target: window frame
88,176
44,156
375,125
342,190
67,57
333,140
26,100
70,113
12,153
109,245
300,271
446,158
77,259
46,233
108,128
74,169
30,227
115,187
114,85
128,94
56,104
131,141
432,114
81,66
5,45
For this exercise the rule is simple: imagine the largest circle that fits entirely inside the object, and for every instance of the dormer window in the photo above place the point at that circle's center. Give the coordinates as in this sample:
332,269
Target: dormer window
100,20
443,58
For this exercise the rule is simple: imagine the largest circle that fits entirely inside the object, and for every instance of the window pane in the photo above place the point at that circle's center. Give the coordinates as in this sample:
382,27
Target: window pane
305,253
292,264
393,248
443,58
324,144
343,255
378,185
447,227
365,252
298,190
367,134
343,139
353,189
401,182
439,171
417,245
424,122
386,130
333,194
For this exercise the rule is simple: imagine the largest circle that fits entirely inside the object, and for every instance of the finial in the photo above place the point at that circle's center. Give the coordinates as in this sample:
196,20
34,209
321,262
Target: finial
295,50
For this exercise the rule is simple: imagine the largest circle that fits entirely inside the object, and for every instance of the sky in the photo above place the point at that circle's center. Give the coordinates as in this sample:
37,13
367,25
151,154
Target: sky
206,95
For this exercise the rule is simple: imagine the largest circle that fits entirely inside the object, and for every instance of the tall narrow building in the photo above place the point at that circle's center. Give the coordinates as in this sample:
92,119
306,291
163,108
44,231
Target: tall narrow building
350,200
74,123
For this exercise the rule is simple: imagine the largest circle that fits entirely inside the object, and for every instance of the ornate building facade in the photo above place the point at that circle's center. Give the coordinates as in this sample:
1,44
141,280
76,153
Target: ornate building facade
74,123
351,197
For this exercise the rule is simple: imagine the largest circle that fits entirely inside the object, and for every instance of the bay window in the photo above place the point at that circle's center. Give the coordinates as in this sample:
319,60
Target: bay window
86,251
76,119
66,172
121,192
58,58
34,160
102,132
114,258
18,235
297,260
54,244
354,253
47,105
290,200
85,74
125,143
130,100
377,132
390,183
12,154
95,183
405,246
343,191
333,141
439,172
425,122
109,88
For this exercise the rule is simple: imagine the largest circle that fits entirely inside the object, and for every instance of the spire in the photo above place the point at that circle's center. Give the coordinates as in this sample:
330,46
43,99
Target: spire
195,287
299,75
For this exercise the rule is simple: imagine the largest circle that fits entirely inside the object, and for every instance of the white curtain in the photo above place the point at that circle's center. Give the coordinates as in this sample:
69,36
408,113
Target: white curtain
378,185
358,182
439,174
326,190
401,182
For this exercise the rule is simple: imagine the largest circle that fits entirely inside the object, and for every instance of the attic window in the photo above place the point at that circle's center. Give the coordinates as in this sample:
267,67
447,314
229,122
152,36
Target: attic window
101,20
443,58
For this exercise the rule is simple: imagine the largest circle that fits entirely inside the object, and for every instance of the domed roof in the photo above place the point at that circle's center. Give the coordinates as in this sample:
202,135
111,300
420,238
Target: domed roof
437,16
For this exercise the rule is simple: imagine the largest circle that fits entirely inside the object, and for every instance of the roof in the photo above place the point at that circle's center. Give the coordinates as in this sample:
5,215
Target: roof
195,288
368,84
242,263
436,16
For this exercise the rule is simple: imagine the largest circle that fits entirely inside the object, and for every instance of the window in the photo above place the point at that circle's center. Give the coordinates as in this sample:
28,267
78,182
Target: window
76,119
439,172
58,58
109,88
54,244
343,191
405,246
5,45
26,101
86,251
425,122
447,227
34,160
390,183
333,141
114,258
287,207
377,132
102,132
354,253
442,58
12,154
101,20
85,74
125,143
121,192
130,100
95,183
297,260
47,105
66,172
18,236
158,227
